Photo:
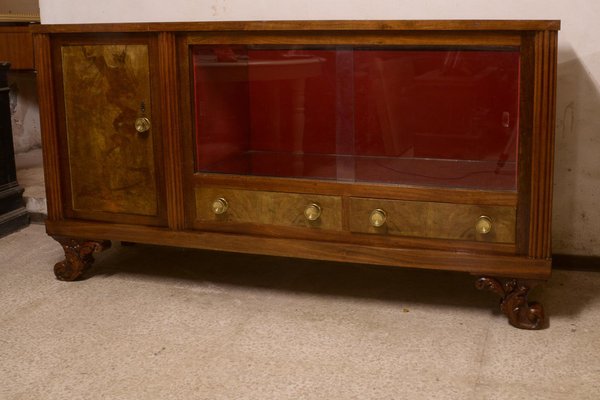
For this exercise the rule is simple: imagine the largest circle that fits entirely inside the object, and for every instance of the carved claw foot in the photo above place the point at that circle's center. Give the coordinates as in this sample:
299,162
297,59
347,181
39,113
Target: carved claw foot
78,257
513,302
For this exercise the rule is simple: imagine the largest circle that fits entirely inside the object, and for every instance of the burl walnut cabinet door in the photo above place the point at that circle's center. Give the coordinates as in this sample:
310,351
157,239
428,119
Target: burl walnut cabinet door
109,132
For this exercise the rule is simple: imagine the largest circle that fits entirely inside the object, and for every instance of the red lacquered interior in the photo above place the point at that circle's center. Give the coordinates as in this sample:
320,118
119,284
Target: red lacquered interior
440,117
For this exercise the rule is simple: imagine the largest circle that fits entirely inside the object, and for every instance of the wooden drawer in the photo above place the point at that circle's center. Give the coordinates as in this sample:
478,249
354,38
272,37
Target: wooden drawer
268,208
433,220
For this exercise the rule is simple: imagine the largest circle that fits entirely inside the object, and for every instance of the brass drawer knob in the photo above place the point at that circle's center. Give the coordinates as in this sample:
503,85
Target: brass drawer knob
378,217
220,206
483,225
142,124
312,212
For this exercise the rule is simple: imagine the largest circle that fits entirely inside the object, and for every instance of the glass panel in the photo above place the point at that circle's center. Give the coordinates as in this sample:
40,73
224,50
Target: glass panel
429,116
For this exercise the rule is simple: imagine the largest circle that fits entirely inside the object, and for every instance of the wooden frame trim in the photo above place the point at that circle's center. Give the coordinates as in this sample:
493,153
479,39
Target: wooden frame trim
187,118
357,238
526,93
48,125
475,263
172,160
355,189
403,38
332,25
544,111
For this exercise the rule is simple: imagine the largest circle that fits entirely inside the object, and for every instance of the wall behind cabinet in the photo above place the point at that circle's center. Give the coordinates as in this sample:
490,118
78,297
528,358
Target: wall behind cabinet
577,173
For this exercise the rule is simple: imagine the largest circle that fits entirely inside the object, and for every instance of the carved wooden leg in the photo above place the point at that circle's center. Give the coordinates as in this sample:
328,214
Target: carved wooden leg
513,302
78,256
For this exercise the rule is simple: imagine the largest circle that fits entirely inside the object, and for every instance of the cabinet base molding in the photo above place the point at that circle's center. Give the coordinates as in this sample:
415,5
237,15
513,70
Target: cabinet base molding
473,263
514,303
78,256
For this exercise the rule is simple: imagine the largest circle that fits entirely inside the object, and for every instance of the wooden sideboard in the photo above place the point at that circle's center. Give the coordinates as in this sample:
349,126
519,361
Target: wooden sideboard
418,144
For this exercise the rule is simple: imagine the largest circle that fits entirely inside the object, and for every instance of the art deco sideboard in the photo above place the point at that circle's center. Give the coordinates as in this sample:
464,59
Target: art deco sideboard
418,144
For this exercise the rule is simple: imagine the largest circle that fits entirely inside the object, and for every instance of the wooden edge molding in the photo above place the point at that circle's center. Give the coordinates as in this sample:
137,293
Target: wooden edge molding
347,25
474,263
544,116
382,191
47,105
167,61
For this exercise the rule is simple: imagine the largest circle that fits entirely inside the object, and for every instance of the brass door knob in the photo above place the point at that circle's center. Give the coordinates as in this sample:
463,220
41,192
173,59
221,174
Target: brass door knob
142,124
378,217
483,225
312,212
220,206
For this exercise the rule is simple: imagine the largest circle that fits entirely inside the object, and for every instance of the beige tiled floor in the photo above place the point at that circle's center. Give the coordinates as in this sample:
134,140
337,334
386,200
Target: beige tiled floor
162,323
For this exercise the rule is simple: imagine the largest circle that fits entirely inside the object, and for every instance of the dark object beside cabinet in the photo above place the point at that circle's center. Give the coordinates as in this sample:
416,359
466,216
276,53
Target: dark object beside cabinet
13,215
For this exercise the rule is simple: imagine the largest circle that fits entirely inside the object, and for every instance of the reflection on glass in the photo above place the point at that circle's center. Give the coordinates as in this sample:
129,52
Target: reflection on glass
394,115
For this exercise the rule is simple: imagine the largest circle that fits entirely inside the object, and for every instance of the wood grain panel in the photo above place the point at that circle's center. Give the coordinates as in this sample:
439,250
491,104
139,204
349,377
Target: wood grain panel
433,220
106,87
457,221
268,208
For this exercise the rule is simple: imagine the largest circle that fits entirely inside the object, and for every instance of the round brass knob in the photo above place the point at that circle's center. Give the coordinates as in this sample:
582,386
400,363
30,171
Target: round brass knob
378,217
142,124
483,225
220,206
312,212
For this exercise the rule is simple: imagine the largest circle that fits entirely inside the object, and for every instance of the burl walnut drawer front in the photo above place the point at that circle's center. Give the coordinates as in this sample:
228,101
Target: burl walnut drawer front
433,220
268,208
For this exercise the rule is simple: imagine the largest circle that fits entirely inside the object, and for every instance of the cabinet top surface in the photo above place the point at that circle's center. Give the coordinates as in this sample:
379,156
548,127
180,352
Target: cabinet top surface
344,25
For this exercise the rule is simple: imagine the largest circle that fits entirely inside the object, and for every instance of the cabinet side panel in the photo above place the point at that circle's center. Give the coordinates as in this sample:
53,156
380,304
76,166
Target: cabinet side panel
106,87
544,113
45,87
